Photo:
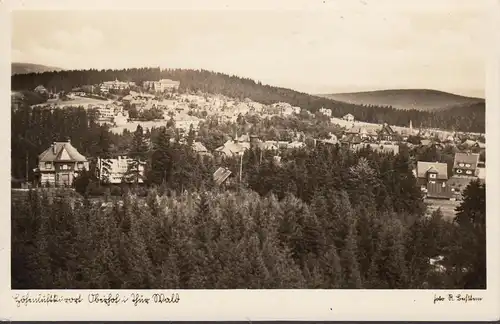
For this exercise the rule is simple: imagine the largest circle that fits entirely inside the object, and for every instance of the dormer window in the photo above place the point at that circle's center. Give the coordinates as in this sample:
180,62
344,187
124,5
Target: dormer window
461,165
48,165
459,171
432,175
468,165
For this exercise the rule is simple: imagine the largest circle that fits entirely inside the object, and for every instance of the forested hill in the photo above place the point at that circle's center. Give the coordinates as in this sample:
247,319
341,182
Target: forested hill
23,68
420,99
237,87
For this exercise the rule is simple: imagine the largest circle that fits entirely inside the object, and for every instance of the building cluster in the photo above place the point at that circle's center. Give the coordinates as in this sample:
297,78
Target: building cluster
436,182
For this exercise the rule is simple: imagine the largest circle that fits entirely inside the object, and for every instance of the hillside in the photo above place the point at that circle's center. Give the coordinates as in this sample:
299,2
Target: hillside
241,88
419,99
26,68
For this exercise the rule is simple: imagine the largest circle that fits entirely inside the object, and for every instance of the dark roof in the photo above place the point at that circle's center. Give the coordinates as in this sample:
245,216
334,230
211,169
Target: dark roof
221,175
387,129
64,151
467,158
440,168
352,138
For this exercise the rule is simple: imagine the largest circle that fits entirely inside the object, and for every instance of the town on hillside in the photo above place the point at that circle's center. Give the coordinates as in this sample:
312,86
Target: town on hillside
123,106
311,194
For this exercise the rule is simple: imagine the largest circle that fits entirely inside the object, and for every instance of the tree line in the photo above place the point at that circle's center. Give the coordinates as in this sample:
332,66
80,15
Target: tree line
470,118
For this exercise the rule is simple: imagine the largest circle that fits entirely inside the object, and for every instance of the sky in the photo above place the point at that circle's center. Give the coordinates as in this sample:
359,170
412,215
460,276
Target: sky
349,46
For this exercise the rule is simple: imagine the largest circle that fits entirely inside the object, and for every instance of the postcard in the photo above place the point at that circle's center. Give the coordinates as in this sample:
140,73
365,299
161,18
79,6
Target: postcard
250,160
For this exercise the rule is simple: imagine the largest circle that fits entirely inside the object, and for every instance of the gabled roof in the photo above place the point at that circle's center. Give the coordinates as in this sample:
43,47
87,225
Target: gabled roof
199,147
387,129
221,175
353,139
440,168
466,158
63,151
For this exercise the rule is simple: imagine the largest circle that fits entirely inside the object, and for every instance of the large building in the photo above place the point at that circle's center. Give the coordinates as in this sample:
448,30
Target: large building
60,164
162,85
115,85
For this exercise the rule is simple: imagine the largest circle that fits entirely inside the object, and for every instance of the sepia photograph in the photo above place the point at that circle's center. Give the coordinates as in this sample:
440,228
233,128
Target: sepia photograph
249,149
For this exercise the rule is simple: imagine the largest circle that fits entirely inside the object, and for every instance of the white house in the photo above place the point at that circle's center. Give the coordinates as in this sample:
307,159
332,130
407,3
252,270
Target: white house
326,112
115,169
348,117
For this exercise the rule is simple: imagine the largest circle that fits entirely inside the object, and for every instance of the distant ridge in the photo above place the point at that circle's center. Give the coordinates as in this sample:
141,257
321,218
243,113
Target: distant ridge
26,68
419,99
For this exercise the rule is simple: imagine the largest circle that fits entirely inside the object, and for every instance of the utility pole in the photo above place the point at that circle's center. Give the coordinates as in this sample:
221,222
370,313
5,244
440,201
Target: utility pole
27,165
241,164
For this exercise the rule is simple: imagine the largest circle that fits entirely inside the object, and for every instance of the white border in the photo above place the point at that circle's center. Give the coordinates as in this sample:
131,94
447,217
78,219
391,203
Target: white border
254,305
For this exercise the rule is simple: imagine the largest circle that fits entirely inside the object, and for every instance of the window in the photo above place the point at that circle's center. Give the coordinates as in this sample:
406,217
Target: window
459,171
48,165
468,172
432,175
64,167
443,185
468,165
461,165
80,165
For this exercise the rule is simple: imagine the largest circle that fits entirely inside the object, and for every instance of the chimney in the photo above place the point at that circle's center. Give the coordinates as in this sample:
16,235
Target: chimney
54,148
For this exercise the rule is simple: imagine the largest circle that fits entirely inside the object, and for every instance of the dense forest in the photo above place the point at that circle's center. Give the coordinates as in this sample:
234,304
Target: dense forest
462,118
344,238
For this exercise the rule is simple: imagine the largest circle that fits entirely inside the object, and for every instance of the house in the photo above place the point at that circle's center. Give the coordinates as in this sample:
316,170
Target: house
433,179
221,175
41,90
161,85
232,148
121,118
465,164
296,145
348,117
326,112
113,171
60,164
268,146
386,133
351,140
114,85
199,148
480,145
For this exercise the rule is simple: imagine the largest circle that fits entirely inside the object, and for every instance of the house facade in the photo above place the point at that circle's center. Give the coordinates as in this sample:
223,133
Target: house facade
466,164
161,85
59,165
433,179
348,117
41,90
386,133
113,171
